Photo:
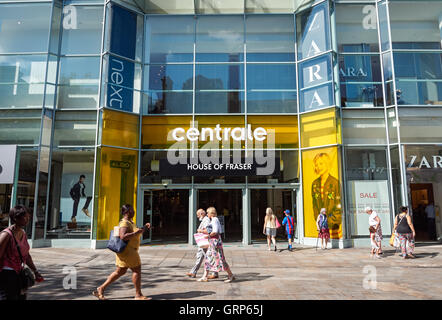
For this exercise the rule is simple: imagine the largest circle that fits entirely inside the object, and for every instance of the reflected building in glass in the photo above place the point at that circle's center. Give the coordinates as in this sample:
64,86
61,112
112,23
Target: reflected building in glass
349,94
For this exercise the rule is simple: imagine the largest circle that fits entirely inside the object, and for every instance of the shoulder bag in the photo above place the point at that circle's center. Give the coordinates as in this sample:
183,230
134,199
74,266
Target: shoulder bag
26,276
115,243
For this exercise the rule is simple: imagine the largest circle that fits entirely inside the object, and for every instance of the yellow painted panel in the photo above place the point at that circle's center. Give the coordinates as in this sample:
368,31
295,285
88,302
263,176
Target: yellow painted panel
117,186
120,129
285,128
320,128
156,130
322,189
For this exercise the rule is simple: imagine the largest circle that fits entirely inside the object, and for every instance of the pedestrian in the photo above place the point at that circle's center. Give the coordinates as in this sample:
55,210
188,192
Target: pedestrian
201,253
431,221
269,228
215,259
374,226
404,227
323,230
129,258
14,252
289,224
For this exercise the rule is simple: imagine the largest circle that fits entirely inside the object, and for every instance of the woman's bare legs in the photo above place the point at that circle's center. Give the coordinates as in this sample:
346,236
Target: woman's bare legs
112,278
268,242
274,241
136,279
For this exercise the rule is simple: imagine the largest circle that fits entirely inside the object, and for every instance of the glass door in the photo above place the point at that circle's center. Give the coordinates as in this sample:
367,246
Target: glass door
147,215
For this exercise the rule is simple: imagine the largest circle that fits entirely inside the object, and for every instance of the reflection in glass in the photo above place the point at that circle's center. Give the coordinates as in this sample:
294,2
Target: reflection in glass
162,102
356,28
78,81
169,77
219,77
74,128
415,24
24,27
363,127
270,38
383,23
84,35
169,39
220,38
271,101
20,127
219,102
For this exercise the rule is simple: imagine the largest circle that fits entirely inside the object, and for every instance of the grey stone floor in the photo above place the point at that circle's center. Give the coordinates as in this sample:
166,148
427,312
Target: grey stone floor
302,274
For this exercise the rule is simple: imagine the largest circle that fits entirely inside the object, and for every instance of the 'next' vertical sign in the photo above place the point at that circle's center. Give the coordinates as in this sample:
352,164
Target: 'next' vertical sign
121,71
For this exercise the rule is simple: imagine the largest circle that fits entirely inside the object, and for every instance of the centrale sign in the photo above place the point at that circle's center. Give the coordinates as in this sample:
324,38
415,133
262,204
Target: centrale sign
220,134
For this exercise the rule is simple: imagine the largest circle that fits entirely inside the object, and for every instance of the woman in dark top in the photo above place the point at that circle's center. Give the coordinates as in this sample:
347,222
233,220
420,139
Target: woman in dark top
403,226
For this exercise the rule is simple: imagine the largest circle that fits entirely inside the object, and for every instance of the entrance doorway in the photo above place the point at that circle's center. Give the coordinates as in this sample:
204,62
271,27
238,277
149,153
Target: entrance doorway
228,205
277,199
167,212
421,196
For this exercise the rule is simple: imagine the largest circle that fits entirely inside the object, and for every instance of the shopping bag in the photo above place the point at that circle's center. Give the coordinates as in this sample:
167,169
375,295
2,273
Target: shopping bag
202,240
278,225
393,236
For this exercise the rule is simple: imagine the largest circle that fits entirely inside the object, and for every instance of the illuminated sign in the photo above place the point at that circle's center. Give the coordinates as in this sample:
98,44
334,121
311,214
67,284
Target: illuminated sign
237,134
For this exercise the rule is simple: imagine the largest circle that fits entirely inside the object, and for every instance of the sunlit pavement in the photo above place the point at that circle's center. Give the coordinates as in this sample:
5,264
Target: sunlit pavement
305,273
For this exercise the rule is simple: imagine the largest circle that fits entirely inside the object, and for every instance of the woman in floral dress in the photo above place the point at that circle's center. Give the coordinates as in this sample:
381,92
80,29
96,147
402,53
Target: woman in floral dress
215,259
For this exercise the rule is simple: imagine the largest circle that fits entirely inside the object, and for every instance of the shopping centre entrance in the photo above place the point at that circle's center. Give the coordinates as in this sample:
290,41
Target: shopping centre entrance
167,212
421,197
228,205
277,199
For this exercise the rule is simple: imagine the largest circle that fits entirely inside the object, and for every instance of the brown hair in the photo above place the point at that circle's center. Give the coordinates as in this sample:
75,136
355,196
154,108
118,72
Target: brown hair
372,229
17,212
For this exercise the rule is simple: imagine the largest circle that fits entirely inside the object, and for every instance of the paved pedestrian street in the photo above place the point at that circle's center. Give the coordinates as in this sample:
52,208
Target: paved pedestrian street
302,274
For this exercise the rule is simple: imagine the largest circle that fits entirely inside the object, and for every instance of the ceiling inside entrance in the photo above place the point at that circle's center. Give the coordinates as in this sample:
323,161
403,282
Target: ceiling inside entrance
218,6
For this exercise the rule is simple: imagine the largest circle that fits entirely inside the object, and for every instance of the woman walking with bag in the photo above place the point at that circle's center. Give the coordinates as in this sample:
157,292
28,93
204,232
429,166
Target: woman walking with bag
404,227
270,227
215,259
14,255
129,258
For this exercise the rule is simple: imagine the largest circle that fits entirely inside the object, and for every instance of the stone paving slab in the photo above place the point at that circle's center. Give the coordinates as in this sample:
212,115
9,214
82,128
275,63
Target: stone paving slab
305,274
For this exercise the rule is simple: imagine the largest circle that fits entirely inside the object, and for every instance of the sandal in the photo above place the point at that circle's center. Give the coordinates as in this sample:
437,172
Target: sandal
142,298
99,295
202,280
230,279
411,256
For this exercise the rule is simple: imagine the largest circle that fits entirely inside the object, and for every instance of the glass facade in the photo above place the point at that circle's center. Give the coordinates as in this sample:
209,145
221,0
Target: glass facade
93,93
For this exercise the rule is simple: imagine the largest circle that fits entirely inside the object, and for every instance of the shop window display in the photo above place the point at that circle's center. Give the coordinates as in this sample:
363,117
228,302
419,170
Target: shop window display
70,203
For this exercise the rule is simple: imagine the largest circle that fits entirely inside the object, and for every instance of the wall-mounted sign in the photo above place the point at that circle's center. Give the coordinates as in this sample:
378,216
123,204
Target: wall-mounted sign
7,163
219,134
316,77
432,162
121,71
196,167
119,164
372,194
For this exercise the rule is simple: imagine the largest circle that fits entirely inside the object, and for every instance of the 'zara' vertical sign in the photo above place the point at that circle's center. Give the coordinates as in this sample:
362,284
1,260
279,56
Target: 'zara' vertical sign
315,72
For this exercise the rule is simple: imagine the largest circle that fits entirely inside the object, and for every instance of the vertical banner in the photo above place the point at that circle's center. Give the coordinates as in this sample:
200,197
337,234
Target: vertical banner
372,194
322,189
121,71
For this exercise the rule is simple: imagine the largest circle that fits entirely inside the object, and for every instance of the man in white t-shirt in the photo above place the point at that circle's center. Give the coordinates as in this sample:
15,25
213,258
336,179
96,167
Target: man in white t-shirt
201,253
374,223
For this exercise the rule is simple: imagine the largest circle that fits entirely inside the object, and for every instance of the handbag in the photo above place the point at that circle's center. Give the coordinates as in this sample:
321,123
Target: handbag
278,225
115,243
392,238
202,240
26,276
